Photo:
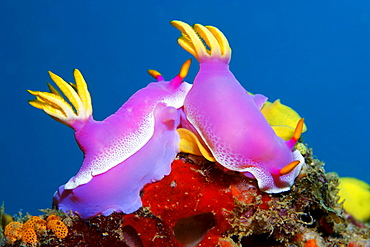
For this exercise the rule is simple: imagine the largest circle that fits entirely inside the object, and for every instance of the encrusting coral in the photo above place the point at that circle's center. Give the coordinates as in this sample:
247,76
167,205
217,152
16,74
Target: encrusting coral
13,231
33,228
199,204
58,227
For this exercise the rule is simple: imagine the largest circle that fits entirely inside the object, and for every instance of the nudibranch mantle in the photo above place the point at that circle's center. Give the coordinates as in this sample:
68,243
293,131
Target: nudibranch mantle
228,119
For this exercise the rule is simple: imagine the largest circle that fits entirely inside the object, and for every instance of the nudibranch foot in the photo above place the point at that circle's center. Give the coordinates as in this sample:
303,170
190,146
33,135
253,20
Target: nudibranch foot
53,103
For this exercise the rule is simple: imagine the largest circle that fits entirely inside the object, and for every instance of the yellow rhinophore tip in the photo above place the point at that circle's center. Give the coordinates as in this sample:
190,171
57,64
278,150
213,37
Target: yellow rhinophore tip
73,115
290,167
189,143
192,41
185,69
355,195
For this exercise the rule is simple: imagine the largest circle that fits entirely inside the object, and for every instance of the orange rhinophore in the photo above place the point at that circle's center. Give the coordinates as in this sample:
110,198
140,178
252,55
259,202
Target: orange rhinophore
13,231
58,228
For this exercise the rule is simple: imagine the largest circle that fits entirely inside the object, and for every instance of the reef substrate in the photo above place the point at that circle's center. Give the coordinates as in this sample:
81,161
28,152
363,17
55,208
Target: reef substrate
199,204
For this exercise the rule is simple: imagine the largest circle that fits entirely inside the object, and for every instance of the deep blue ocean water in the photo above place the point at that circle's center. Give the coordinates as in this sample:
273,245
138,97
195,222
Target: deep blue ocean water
313,55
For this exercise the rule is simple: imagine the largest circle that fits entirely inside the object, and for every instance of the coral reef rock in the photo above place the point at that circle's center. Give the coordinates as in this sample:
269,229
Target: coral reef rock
201,204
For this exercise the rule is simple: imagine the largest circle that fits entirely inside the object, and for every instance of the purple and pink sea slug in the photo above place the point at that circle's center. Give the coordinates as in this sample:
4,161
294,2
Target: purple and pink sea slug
136,145
129,149
228,119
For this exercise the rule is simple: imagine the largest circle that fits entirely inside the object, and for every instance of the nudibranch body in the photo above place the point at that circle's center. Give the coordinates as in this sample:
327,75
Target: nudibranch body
108,143
229,120
122,153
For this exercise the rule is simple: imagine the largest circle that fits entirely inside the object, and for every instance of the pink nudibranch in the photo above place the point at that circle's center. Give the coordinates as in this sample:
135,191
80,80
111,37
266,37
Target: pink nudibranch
229,120
122,153
136,145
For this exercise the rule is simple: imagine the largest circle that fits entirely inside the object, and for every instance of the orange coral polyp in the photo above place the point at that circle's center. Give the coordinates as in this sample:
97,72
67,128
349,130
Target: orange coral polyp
29,235
58,228
52,217
36,223
13,231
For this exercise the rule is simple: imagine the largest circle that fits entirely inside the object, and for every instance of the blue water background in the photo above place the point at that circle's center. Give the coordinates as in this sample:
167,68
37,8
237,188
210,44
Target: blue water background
313,55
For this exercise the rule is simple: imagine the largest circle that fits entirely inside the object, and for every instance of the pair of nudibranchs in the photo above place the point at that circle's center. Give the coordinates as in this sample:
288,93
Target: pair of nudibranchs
214,117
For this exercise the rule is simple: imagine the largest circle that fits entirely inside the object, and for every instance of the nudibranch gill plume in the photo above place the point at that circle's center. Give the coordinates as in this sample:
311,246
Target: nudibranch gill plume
129,149
228,119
